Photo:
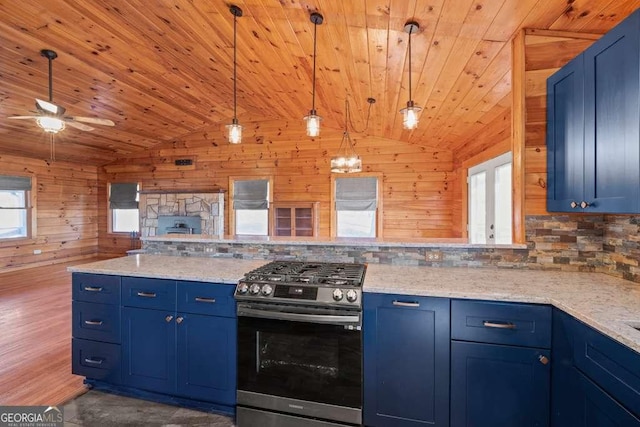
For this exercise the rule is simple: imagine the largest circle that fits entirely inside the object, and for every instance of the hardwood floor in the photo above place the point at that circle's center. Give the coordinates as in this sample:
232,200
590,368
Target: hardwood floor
35,337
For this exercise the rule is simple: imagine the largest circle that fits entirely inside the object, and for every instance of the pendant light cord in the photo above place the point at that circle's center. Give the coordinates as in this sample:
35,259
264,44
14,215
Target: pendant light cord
235,101
50,80
410,31
313,90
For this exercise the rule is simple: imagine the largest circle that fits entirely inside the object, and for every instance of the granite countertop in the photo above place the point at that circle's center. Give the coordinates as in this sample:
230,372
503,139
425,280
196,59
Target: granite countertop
323,241
606,303
214,270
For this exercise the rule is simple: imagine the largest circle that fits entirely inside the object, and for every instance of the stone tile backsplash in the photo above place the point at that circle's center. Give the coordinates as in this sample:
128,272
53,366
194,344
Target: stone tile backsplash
588,243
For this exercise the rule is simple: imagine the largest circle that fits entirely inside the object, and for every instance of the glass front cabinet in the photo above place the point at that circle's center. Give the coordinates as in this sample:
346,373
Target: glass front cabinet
295,219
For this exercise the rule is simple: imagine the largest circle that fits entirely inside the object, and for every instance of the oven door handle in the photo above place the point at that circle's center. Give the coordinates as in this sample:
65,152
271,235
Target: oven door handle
326,319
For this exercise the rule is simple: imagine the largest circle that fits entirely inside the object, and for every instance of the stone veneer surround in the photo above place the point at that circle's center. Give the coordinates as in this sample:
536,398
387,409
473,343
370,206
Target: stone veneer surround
208,206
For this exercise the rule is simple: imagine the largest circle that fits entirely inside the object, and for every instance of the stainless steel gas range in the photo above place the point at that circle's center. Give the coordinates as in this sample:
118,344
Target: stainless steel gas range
300,345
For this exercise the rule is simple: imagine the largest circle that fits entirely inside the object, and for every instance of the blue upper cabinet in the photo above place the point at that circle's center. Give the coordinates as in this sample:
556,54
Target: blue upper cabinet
406,361
593,126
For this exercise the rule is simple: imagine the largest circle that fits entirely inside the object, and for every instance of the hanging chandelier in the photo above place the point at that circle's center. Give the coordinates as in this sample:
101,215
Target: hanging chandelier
347,160
234,129
410,112
312,119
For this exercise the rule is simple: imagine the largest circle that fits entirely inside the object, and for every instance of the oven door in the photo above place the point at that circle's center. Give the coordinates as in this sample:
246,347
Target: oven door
301,360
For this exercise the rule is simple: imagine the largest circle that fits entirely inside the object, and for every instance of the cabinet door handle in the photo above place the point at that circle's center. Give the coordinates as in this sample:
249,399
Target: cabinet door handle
93,322
203,299
169,318
499,325
543,359
584,205
93,361
406,304
92,289
147,294
573,205
179,319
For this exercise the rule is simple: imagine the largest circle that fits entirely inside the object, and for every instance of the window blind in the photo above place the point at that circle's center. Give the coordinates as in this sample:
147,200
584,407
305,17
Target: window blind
123,195
356,194
252,194
8,182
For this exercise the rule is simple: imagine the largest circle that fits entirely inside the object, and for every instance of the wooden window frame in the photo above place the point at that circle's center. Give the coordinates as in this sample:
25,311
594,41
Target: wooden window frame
379,211
232,211
110,211
31,200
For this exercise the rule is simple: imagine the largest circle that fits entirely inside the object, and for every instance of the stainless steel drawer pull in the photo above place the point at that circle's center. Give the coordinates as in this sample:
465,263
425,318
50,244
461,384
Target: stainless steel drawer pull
92,289
93,322
406,304
93,361
499,325
147,294
203,299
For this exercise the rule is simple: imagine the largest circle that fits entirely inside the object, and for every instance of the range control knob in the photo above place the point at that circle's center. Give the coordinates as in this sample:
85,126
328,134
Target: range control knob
266,290
338,294
254,289
352,295
243,288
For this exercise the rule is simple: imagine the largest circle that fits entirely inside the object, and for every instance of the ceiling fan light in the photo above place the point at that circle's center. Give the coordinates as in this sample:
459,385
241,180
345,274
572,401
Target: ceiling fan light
50,124
234,132
313,123
410,115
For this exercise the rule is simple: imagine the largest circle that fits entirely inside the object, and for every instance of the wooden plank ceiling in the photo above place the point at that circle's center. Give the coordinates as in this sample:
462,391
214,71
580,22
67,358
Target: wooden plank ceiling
163,69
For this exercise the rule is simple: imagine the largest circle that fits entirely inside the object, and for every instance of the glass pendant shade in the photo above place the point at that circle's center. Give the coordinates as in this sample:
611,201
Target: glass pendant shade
50,124
410,116
234,132
313,123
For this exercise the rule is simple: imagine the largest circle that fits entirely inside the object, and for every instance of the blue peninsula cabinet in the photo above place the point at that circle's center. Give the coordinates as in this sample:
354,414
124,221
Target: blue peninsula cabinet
169,340
593,126
406,360
595,380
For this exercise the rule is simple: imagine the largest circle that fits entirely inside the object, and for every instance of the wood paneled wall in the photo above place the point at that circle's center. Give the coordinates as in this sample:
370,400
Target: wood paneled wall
417,181
66,214
544,52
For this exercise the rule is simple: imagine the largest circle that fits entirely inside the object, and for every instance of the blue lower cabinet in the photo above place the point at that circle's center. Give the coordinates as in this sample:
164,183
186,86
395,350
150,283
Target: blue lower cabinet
207,358
149,349
596,408
96,360
406,360
499,386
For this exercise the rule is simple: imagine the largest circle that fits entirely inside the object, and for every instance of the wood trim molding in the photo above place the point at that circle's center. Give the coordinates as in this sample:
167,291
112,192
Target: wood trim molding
518,116
560,33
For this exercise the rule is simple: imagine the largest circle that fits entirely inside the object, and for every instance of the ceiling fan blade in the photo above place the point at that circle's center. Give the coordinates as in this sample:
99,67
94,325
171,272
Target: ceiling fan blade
92,120
49,107
79,125
23,117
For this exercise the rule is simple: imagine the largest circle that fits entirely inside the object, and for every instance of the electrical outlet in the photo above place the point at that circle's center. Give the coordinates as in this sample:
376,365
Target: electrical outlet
434,256
37,251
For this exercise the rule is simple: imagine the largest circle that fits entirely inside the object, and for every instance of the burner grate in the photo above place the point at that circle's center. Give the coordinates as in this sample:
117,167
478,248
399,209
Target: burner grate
322,273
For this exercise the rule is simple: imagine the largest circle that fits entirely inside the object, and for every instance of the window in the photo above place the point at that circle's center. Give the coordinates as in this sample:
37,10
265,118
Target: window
356,203
15,207
490,201
250,206
123,206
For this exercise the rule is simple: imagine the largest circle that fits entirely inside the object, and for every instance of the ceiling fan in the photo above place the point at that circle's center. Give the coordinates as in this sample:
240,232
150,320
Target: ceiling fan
51,117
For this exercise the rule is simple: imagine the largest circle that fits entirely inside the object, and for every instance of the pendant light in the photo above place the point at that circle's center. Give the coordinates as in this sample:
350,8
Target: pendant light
313,120
234,129
410,112
347,161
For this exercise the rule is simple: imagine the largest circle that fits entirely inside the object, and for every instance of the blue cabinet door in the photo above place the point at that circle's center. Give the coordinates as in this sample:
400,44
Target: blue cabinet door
596,408
565,138
612,128
149,349
499,386
406,361
207,358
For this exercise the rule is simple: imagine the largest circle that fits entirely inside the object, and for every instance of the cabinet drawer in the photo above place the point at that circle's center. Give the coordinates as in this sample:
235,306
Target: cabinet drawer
149,293
98,288
97,360
206,298
611,365
525,325
98,322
